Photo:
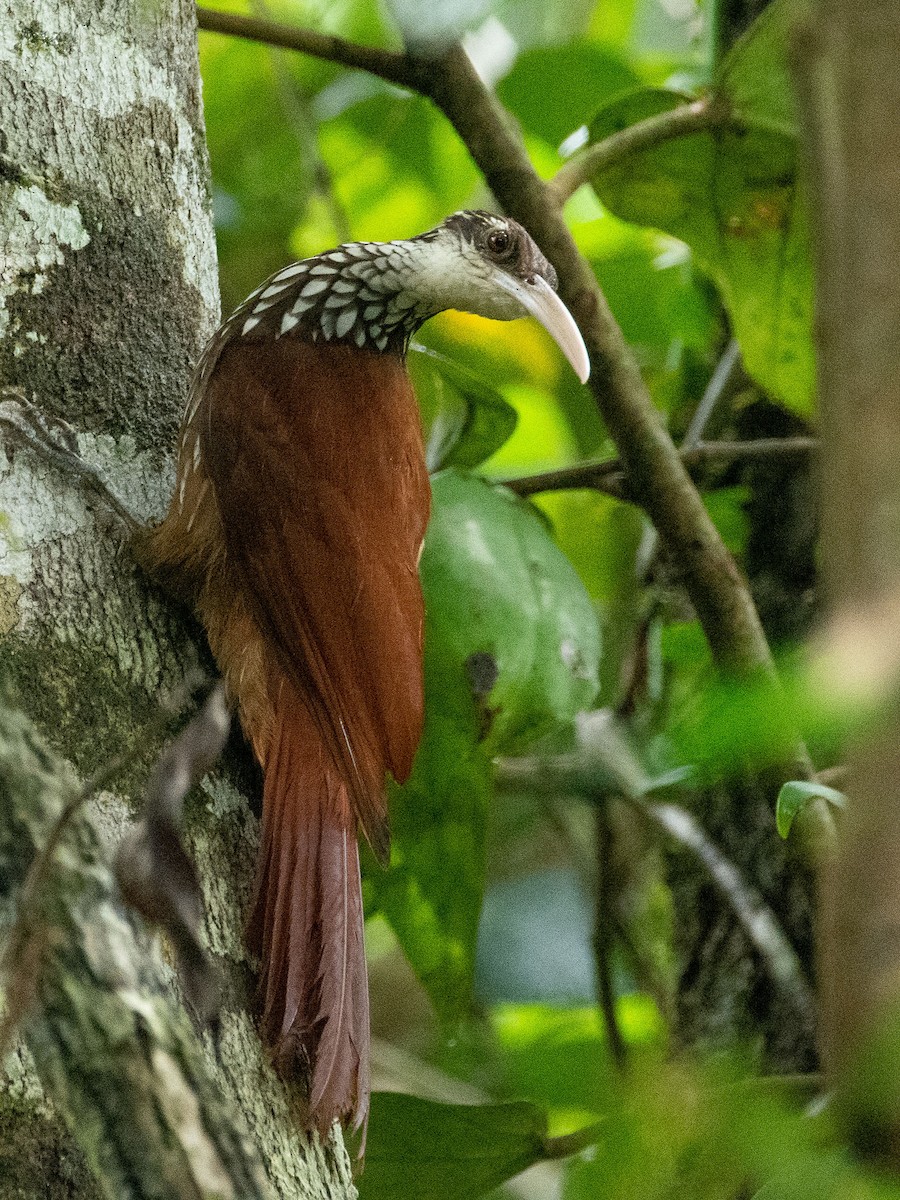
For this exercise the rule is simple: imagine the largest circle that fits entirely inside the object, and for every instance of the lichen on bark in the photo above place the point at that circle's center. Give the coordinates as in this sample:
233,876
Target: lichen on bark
107,294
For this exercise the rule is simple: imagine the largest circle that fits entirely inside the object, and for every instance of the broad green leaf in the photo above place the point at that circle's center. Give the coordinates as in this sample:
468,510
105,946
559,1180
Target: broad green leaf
420,1150
465,419
795,796
601,537
754,76
496,584
508,619
550,88
732,195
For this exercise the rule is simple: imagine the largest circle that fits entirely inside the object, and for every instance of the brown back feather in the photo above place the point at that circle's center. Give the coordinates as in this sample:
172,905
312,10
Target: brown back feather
306,922
316,459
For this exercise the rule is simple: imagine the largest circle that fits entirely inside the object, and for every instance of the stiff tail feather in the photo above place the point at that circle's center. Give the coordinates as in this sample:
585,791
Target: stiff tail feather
306,925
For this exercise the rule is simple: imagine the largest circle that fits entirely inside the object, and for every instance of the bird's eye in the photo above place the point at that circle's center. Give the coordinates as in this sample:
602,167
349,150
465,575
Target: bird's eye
499,241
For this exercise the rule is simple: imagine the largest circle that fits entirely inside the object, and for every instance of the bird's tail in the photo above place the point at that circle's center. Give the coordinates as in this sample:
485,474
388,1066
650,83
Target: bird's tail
306,925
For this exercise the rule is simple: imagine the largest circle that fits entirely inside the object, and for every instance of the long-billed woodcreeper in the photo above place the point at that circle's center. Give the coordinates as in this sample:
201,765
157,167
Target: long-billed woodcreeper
295,530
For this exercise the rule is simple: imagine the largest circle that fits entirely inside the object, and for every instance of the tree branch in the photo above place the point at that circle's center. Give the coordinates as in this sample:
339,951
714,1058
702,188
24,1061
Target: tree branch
386,64
657,478
608,476
643,135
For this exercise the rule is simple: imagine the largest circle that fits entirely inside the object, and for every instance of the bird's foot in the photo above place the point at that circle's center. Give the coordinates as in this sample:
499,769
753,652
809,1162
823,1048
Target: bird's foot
55,440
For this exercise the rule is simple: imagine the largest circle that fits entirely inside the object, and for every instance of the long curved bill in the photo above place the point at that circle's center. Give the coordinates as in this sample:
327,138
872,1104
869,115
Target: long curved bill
539,299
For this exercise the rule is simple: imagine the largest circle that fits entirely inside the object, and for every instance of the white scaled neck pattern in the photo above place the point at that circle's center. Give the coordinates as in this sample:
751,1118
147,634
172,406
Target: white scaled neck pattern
360,294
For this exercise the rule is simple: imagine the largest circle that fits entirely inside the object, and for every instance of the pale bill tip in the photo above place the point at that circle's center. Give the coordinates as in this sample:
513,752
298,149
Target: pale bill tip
539,299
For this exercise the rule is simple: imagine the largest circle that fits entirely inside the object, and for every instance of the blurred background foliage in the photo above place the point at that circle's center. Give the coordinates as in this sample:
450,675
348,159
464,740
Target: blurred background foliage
525,941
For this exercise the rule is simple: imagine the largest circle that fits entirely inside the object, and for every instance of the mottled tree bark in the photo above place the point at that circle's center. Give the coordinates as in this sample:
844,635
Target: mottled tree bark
107,292
845,66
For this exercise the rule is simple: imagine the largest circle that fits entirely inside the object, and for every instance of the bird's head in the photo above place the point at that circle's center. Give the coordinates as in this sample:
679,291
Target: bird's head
486,264
375,295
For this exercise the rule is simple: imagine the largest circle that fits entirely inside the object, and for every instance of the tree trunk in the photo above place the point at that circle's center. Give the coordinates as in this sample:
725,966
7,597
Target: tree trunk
107,293
845,66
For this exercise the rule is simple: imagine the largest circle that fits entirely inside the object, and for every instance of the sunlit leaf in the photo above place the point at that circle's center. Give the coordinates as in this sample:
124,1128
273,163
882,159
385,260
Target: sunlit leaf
541,440
795,796
421,1150
465,419
557,1055
732,195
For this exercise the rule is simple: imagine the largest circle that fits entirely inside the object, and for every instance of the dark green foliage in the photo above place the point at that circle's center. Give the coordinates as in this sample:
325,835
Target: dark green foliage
460,1151
732,194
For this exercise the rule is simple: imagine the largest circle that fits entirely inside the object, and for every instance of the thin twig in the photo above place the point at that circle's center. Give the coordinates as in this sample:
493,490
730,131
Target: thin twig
386,64
608,476
748,905
604,938
643,135
726,370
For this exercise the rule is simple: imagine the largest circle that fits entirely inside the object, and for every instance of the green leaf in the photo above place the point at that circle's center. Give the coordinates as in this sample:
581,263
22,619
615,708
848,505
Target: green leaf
551,86
754,76
559,1056
465,419
732,195
511,652
795,796
421,1150
497,585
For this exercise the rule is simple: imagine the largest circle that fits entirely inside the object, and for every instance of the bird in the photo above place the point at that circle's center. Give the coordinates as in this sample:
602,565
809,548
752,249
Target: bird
295,530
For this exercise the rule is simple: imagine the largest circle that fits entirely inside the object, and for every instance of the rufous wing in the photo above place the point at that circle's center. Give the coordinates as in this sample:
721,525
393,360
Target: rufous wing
315,455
